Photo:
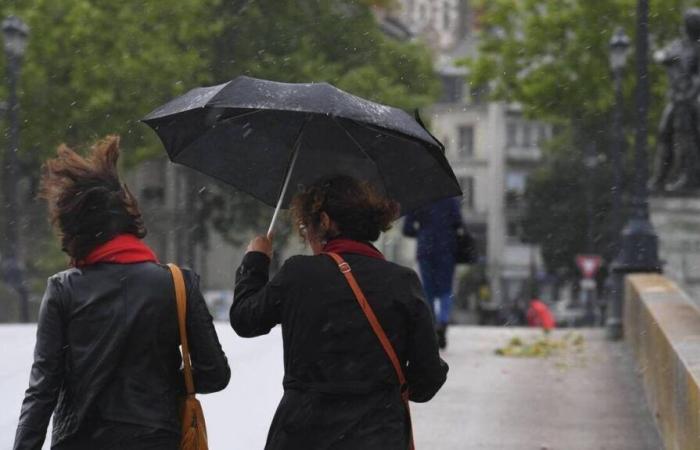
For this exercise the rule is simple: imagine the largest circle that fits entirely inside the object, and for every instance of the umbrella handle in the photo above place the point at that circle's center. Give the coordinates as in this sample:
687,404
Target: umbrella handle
288,176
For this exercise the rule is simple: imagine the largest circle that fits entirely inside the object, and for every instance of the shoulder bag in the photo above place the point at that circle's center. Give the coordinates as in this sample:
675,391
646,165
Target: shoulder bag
194,429
466,251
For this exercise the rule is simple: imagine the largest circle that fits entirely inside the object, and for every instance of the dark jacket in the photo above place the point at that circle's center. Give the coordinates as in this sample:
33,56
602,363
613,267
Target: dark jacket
435,227
341,391
107,347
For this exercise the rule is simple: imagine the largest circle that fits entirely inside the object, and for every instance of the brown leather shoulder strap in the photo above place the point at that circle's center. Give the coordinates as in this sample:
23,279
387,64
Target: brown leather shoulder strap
381,335
181,297
371,317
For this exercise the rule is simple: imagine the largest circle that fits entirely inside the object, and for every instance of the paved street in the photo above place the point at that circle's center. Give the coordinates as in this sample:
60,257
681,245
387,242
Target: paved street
590,401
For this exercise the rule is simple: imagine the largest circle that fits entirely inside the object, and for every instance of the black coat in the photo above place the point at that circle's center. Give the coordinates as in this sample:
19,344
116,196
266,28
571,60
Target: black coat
341,391
107,346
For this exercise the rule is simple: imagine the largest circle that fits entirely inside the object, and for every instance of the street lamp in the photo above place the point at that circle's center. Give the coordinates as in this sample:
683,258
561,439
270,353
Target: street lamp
638,251
15,34
619,51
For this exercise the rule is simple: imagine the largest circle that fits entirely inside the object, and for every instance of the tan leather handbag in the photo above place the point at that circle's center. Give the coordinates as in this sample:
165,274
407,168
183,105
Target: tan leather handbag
194,429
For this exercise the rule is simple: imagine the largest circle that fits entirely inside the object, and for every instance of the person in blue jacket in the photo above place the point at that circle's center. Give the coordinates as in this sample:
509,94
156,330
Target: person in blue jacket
435,227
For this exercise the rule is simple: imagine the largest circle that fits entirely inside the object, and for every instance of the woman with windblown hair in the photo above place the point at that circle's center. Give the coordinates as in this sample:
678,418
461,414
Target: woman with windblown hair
342,389
106,362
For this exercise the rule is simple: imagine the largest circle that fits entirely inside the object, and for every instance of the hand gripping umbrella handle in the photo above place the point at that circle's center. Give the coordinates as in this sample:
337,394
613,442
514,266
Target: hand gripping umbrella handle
288,176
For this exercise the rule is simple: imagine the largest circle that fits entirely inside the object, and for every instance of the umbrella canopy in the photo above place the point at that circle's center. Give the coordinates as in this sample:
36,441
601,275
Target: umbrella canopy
249,132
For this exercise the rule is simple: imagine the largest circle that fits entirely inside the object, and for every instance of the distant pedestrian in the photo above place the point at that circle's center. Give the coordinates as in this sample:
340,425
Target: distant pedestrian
341,388
539,315
435,228
106,361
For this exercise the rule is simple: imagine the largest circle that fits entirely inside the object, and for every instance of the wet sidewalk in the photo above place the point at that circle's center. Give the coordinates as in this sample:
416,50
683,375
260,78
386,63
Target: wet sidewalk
587,401
591,400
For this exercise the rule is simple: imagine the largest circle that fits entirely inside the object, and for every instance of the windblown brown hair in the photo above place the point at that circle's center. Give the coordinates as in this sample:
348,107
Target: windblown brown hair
87,202
360,212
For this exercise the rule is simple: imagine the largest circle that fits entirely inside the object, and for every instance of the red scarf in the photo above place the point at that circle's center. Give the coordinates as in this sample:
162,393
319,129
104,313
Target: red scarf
122,249
344,245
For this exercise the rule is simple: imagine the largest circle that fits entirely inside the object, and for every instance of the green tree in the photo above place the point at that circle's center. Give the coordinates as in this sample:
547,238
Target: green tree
95,67
551,56
559,196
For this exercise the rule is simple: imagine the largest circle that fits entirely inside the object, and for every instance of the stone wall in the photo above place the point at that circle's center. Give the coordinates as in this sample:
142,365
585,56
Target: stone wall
662,325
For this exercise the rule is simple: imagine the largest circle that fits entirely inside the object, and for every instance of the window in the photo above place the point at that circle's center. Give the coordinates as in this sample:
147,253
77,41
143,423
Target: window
466,140
516,181
452,89
527,135
467,185
513,229
511,134
478,93
542,135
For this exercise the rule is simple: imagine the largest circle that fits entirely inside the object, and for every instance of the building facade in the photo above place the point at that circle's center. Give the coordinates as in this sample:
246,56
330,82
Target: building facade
490,145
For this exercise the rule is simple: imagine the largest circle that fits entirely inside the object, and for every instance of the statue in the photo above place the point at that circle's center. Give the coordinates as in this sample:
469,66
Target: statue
676,163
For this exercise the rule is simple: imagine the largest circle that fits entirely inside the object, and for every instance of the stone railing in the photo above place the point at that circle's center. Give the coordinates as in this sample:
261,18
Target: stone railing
662,325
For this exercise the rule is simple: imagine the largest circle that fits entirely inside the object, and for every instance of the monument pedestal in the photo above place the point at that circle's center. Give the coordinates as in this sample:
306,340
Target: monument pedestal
677,223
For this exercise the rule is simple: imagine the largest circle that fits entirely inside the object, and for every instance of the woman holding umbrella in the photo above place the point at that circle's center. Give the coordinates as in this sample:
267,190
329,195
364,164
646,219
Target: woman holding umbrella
358,335
349,369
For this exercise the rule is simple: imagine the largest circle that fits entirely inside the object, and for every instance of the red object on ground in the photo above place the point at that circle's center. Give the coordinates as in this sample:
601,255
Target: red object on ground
539,315
123,249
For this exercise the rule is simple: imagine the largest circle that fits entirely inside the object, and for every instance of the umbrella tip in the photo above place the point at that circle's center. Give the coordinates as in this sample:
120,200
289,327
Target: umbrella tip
416,115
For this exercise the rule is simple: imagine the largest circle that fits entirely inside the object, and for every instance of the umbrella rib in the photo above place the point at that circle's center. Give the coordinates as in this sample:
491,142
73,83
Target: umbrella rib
245,114
352,138
364,152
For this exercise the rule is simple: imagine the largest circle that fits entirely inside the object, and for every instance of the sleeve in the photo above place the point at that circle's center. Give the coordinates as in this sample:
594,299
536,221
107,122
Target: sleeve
47,371
210,368
257,303
426,371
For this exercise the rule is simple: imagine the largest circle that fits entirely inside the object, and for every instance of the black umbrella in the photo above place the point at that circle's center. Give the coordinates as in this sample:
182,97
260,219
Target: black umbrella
261,136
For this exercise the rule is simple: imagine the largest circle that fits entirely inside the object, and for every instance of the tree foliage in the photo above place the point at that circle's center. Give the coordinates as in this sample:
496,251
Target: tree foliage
95,67
552,57
560,195
323,40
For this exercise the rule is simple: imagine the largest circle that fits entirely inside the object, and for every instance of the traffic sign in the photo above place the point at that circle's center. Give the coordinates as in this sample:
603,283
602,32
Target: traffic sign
588,264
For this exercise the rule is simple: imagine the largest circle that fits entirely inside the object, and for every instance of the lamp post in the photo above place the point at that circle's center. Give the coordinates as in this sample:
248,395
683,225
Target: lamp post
619,51
15,34
638,250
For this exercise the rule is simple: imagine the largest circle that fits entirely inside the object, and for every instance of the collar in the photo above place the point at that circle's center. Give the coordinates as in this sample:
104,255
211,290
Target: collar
345,245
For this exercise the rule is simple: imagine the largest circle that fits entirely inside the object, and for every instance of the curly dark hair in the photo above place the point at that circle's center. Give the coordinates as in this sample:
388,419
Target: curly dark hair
360,212
88,204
